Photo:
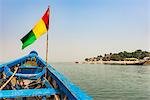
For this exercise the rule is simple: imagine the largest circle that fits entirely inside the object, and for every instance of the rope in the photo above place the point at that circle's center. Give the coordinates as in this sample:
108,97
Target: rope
16,69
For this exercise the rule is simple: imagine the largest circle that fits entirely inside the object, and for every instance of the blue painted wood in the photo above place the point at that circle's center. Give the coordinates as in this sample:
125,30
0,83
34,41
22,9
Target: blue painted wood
27,93
66,87
72,91
29,67
47,84
33,54
24,76
43,98
1,67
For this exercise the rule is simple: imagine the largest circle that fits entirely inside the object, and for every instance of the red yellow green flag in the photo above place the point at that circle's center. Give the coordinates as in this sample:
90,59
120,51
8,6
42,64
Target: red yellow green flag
38,30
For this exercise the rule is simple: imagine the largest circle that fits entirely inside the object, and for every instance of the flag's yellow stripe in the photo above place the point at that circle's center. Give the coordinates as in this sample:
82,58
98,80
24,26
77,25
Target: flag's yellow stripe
39,29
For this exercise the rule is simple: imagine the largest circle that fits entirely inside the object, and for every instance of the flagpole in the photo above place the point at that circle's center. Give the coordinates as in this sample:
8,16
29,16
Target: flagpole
46,52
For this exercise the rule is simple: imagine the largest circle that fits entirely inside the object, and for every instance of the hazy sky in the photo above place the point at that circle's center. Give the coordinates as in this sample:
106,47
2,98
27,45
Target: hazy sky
78,28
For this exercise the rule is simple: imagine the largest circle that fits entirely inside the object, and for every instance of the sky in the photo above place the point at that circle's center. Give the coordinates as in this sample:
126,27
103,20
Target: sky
78,28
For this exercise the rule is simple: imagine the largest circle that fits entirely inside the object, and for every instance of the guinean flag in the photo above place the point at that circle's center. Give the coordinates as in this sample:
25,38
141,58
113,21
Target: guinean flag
39,29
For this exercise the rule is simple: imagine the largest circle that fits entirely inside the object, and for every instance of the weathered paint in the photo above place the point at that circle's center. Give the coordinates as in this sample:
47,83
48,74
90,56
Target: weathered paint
27,93
24,76
45,81
72,91
65,86
1,68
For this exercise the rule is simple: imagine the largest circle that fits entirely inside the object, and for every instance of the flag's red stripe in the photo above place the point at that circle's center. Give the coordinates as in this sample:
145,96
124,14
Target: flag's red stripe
46,18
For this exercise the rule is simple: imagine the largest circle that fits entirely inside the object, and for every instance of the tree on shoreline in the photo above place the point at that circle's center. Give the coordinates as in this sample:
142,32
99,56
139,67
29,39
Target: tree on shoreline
122,56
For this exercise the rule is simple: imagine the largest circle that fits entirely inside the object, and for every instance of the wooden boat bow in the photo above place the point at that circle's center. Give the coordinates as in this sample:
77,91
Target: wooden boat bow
29,81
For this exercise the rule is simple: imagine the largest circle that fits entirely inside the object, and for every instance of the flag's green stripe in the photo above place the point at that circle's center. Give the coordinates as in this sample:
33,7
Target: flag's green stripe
28,39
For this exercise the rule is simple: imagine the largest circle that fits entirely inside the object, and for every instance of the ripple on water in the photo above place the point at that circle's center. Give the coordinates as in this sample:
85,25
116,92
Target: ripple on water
109,82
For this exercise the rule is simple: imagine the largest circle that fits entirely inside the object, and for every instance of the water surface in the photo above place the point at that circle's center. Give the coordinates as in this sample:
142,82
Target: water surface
109,82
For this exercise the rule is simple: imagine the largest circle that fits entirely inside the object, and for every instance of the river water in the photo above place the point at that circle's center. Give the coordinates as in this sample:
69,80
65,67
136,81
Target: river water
109,82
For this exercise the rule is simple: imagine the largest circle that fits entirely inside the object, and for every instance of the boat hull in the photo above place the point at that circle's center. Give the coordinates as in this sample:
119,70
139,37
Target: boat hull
30,78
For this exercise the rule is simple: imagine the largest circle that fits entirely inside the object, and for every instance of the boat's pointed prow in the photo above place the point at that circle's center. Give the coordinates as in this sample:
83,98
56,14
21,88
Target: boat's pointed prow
34,52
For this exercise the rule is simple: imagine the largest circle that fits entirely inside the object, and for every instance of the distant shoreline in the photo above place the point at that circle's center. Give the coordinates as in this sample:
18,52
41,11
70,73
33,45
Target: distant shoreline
139,62
137,57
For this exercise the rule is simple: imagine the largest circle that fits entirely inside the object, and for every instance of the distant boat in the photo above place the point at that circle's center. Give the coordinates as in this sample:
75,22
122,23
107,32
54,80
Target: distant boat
77,62
136,63
25,79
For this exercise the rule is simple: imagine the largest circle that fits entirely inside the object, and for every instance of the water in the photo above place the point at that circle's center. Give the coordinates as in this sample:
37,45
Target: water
109,82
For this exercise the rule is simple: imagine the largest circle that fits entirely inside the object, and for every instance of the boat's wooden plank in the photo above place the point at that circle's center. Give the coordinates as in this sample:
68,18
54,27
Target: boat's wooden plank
72,91
31,63
47,84
20,60
24,76
68,88
1,68
27,93
29,66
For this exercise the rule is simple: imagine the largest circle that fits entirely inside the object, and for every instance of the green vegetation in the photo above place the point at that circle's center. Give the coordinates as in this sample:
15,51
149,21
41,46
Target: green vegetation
121,56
